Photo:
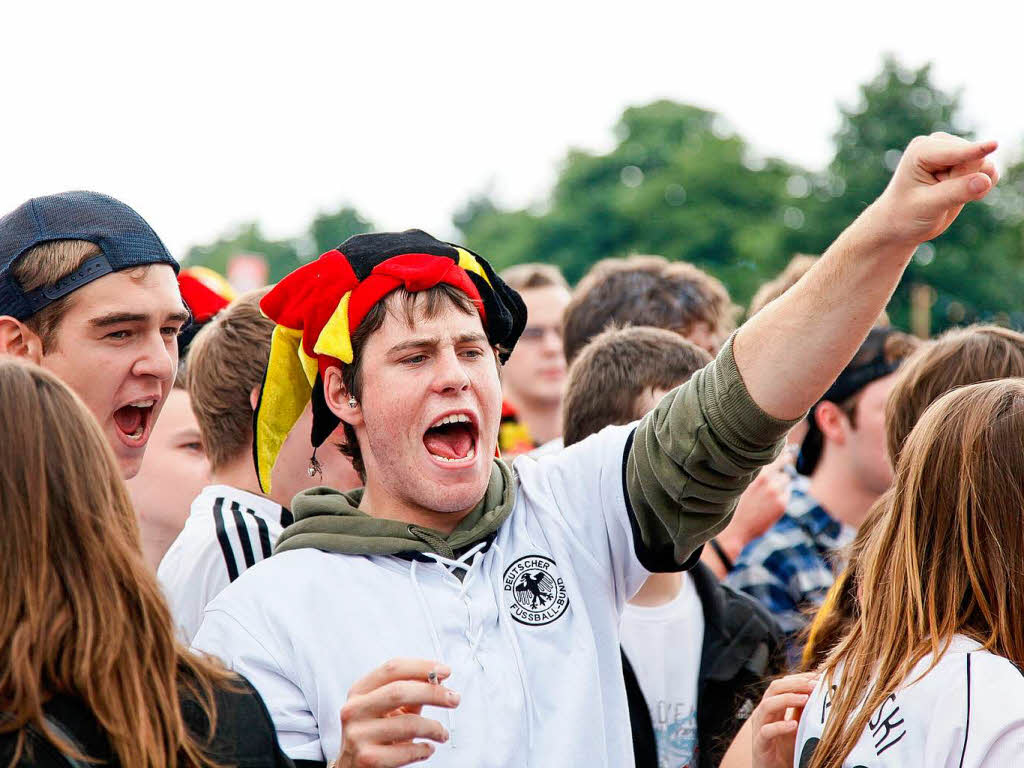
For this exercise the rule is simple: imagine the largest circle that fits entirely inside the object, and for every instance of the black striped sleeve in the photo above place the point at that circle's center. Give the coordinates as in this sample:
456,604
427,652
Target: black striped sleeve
222,538
243,535
261,524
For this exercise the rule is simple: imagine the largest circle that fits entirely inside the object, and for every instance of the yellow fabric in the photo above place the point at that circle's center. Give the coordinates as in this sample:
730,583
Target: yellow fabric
335,339
286,391
212,280
469,263
827,608
310,366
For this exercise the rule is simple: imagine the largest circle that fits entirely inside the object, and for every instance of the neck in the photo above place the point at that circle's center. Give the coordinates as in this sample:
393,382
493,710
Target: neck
542,417
239,474
659,589
839,493
155,544
378,502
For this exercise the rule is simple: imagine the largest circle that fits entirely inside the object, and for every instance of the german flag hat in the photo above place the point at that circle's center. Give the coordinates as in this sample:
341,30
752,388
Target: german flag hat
318,306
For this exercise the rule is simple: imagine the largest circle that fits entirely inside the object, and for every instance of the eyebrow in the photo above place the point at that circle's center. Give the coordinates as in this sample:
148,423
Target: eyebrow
433,341
116,318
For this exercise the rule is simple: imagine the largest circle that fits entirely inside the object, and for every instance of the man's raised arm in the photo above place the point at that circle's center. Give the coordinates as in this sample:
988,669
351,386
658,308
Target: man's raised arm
696,452
793,349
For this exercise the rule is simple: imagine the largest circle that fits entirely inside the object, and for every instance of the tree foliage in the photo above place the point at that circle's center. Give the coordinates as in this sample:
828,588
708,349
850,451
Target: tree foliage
326,231
680,184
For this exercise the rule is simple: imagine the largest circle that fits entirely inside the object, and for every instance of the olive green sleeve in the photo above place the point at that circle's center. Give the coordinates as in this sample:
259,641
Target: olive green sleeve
690,460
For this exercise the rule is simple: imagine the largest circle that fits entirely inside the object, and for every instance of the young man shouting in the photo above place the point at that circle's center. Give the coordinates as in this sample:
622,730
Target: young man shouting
509,586
88,291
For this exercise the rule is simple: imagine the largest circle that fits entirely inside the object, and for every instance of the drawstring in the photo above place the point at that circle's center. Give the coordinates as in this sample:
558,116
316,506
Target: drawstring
506,625
433,636
467,563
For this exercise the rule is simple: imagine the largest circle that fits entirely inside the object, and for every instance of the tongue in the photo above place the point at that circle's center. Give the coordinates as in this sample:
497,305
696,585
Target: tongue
128,419
452,441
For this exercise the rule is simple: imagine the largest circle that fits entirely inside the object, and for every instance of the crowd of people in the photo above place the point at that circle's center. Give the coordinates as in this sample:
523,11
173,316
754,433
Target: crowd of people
400,507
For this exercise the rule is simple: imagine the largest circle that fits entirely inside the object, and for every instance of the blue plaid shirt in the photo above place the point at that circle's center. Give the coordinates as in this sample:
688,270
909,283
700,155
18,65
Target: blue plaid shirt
790,567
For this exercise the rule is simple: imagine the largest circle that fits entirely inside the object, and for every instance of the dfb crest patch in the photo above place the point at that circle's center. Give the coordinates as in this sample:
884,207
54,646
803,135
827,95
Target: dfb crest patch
534,592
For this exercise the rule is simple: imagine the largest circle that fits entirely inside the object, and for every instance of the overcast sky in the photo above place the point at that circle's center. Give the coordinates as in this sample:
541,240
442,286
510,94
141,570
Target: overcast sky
203,115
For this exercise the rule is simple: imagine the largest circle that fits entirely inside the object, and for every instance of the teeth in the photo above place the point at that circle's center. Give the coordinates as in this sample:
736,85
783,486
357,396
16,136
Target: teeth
470,455
455,418
137,434
143,403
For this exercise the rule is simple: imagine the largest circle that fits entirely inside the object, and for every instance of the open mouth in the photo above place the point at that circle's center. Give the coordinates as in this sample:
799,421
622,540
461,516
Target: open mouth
452,439
133,420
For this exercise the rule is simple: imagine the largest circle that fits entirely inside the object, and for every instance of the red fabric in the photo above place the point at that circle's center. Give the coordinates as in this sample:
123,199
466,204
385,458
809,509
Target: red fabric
306,299
201,300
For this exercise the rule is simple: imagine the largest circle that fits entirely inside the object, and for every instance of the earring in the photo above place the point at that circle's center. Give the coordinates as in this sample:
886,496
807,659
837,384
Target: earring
314,466
352,402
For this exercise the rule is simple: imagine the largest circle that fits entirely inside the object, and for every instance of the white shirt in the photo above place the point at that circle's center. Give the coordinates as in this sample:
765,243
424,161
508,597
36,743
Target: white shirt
664,643
967,712
227,531
531,632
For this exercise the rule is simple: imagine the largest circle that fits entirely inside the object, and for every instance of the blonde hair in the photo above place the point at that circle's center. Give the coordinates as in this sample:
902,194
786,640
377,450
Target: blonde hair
226,362
943,559
523,277
44,265
82,614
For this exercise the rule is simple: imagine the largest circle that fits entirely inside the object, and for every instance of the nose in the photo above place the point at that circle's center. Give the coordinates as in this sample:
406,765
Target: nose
157,358
552,341
450,373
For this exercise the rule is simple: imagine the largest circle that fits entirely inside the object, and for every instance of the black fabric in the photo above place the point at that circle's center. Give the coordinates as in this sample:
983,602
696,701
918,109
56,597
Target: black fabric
743,648
244,736
868,365
364,252
645,747
504,305
124,238
324,419
662,559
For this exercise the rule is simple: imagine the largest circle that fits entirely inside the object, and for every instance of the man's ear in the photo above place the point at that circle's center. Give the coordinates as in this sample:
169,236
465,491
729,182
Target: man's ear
337,397
254,397
18,339
832,422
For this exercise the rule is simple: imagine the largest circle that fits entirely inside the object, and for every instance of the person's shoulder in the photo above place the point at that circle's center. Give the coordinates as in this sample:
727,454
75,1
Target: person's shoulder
243,732
786,541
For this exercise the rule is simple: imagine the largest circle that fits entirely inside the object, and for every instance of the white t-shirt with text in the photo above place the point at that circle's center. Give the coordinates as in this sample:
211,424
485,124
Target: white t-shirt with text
663,644
967,712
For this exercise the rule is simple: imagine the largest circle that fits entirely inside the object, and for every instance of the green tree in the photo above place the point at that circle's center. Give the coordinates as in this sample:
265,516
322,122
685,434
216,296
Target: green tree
329,230
975,267
282,255
678,183
326,231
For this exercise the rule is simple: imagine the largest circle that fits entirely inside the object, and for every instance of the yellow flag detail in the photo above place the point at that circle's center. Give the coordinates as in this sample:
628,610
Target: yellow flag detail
286,391
335,339
469,263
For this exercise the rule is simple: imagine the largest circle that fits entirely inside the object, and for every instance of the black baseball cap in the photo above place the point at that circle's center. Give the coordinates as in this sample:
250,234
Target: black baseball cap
868,365
124,239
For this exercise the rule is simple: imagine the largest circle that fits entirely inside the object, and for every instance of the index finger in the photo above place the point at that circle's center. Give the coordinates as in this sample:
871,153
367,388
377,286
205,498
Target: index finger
946,153
400,669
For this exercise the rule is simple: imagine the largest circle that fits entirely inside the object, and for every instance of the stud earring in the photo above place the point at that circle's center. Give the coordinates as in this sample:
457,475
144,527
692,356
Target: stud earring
352,402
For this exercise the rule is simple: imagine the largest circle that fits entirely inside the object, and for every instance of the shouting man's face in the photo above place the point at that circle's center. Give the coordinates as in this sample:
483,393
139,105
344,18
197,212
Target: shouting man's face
428,413
116,347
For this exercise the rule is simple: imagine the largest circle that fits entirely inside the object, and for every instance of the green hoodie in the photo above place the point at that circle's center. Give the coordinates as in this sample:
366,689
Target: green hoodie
689,461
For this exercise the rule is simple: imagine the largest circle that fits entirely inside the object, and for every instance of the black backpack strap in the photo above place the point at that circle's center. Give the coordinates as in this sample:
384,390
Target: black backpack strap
645,748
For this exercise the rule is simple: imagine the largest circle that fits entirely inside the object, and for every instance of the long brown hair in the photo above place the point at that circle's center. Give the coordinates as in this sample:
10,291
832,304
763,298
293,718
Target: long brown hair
81,613
944,558
959,357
